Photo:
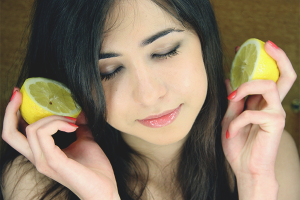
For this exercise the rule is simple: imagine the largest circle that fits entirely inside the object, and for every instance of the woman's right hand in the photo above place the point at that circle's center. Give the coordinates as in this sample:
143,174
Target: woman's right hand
82,167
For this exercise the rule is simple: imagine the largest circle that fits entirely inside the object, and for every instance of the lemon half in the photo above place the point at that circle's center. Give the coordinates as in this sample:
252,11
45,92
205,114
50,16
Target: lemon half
252,62
43,97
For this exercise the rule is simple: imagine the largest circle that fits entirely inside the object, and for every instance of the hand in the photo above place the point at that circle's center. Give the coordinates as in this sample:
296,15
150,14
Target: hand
255,126
82,167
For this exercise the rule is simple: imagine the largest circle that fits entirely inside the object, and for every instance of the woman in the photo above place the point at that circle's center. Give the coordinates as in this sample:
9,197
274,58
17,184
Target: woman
148,76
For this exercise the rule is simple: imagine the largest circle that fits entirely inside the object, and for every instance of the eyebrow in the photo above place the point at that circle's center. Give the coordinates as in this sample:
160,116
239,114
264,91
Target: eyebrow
143,43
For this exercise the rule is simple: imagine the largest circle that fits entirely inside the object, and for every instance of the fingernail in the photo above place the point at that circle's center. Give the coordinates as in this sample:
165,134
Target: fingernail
15,89
236,48
71,118
272,44
73,124
13,95
232,95
227,134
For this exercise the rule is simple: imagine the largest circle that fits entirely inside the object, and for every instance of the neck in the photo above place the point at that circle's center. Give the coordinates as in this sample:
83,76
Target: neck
160,156
160,168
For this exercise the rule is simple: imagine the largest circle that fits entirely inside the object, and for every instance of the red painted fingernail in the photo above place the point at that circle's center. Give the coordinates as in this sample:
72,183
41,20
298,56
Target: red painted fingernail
272,44
236,48
13,95
73,124
232,95
71,118
15,89
227,134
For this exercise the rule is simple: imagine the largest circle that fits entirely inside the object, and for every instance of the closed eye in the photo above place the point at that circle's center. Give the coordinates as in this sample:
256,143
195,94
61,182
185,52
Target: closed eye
108,76
173,52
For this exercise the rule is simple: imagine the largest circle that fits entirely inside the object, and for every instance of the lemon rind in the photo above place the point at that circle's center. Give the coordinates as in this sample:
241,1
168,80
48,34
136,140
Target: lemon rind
30,81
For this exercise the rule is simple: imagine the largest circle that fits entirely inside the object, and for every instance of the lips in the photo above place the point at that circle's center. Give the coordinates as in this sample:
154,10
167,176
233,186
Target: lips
161,120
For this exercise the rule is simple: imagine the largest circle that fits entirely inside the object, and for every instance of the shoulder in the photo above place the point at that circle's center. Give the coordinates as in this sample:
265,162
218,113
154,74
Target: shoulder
287,168
21,180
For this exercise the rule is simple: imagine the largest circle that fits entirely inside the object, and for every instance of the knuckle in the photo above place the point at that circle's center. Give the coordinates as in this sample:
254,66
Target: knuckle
279,119
29,130
246,114
41,167
293,76
39,133
271,85
5,136
41,130
283,114
52,164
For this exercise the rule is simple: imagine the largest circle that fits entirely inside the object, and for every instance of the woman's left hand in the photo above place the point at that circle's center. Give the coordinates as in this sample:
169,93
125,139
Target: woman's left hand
252,129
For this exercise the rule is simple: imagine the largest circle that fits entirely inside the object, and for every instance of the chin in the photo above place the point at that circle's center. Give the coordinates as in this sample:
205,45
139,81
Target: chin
167,135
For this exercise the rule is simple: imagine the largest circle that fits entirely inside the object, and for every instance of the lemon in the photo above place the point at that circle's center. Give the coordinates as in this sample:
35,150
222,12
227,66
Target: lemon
44,97
252,62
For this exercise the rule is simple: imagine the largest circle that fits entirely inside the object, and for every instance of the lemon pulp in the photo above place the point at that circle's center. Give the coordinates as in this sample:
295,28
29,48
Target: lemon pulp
252,62
44,97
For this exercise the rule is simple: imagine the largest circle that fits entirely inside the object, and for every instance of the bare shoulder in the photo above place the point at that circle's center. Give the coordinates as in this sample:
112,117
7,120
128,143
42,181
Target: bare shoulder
21,180
287,168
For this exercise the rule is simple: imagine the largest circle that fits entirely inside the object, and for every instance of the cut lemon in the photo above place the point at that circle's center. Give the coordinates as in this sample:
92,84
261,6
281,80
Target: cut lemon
44,97
252,62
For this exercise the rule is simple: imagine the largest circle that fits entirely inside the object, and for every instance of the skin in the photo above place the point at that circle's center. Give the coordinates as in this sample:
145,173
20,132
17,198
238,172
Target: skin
255,133
149,86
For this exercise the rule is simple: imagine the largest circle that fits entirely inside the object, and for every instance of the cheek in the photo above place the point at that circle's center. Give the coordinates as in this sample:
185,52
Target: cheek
185,82
115,101
190,79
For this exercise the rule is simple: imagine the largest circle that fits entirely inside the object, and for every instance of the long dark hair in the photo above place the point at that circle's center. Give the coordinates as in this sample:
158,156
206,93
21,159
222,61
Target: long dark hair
64,44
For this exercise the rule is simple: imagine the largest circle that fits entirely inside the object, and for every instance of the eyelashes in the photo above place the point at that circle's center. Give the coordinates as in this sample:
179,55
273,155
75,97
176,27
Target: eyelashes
170,54
167,55
108,76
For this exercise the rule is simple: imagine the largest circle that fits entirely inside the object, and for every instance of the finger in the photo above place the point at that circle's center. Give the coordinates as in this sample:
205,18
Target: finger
36,128
287,73
253,102
234,107
267,88
233,110
22,124
10,134
264,119
45,139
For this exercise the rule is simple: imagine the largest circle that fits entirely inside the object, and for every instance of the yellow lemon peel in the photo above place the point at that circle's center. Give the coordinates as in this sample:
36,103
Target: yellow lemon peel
252,62
44,97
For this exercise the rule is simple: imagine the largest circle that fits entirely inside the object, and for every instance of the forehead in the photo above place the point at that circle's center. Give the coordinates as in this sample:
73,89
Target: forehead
135,20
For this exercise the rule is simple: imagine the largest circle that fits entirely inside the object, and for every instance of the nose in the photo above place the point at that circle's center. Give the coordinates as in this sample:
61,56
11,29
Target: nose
148,86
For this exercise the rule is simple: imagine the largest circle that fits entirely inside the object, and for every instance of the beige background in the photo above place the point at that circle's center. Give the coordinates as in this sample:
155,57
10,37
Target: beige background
275,20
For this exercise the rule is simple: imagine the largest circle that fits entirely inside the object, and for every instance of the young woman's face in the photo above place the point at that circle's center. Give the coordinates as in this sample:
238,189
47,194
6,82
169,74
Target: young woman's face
146,76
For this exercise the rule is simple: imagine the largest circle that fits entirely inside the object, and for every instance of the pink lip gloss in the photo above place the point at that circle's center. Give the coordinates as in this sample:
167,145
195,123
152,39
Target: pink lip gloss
161,120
